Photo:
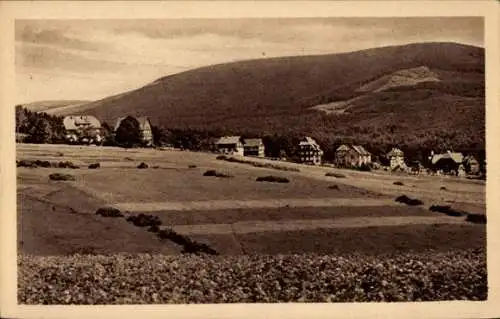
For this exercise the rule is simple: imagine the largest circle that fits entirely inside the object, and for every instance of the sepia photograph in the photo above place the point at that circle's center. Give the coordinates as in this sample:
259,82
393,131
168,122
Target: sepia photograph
249,160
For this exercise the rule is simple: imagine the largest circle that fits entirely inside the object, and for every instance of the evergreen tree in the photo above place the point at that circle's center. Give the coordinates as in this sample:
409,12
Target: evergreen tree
128,133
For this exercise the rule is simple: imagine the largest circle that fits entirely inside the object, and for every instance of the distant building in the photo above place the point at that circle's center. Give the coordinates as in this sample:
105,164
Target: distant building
471,165
310,151
448,162
83,128
253,147
230,145
352,156
144,127
396,158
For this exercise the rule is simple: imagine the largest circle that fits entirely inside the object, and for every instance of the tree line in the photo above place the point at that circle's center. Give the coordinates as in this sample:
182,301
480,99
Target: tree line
40,127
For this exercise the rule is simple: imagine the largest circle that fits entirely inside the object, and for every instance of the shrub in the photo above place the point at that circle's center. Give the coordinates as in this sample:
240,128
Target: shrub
398,183
61,177
210,172
142,165
408,201
336,187
67,164
144,220
45,164
109,212
221,157
336,175
26,163
443,188
446,210
156,166
272,179
476,218
94,165
189,246
192,166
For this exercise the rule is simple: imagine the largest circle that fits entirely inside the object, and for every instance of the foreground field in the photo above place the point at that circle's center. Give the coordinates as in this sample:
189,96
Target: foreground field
238,217
140,279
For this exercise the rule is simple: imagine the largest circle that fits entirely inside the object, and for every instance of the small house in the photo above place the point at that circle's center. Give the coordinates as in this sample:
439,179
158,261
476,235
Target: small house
253,147
81,128
448,162
230,145
396,158
310,152
471,165
144,127
352,156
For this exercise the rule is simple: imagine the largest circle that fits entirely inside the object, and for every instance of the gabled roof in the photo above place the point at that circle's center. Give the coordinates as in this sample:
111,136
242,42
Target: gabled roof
311,142
229,140
456,157
343,148
143,120
73,122
361,150
395,152
253,142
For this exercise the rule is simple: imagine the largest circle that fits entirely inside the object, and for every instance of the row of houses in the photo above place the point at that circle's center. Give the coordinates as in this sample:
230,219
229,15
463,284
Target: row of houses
88,129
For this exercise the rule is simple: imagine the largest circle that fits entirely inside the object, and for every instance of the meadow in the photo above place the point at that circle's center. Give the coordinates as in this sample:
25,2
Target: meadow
237,216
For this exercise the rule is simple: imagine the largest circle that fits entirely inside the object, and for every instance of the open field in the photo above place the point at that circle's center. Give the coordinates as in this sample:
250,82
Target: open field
239,208
251,225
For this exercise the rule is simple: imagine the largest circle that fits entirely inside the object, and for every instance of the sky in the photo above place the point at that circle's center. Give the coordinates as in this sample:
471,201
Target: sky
93,59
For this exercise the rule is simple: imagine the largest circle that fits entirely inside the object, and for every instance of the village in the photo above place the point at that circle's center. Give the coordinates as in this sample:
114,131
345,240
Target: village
87,129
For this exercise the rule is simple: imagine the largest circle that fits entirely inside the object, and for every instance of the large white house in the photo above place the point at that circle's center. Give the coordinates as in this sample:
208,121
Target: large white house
230,145
310,151
83,128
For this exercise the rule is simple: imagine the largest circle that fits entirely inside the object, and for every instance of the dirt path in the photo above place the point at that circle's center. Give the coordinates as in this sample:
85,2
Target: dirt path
264,203
292,225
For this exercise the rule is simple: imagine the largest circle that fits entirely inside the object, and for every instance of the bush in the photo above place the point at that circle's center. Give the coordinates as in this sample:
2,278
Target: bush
409,201
446,210
67,164
94,166
336,187
192,166
336,175
154,229
443,188
272,179
26,163
142,165
476,218
45,164
221,157
398,183
109,212
189,246
210,172
144,220
61,177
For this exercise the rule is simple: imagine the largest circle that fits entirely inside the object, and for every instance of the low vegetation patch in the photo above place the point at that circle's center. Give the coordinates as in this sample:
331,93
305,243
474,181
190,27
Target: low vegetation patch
476,218
446,209
189,246
109,212
212,172
398,183
67,164
257,164
409,201
161,279
443,188
336,175
142,165
26,163
273,179
335,187
144,220
45,164
192,166
61,177
94,165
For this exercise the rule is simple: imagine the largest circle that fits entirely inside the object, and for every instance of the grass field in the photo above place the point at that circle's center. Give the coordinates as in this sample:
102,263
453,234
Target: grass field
277,242
234,215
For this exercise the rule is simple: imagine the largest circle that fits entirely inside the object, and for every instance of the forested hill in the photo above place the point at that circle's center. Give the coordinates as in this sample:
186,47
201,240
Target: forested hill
423,95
